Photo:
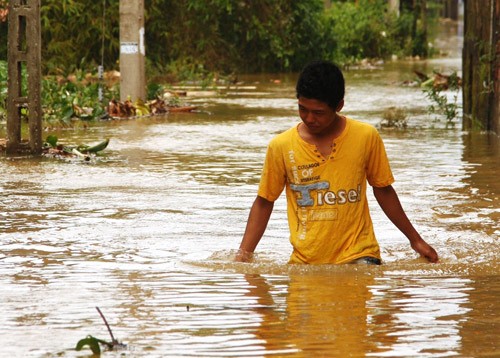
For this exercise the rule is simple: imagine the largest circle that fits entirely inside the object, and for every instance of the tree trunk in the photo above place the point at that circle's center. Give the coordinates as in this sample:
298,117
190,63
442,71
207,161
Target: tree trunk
450,9
481,65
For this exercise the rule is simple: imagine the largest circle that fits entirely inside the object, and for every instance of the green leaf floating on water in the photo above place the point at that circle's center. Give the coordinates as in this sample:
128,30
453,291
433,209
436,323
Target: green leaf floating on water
90,341
52,140
95,148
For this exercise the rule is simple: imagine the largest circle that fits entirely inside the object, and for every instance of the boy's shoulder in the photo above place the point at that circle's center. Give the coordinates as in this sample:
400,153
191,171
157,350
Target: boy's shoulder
285,136
359,125
361,129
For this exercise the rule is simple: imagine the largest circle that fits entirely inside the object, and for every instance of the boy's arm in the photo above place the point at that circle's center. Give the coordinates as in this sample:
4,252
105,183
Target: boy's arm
256,225
390,204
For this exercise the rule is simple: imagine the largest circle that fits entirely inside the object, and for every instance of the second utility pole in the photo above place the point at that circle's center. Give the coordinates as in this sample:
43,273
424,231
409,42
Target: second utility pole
132,50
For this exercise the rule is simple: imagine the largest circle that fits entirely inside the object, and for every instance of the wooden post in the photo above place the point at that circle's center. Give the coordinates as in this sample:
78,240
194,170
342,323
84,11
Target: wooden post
24,56
481,65
132,50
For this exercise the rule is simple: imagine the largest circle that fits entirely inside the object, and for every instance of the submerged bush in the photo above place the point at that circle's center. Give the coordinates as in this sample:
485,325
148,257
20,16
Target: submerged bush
442,91
394,117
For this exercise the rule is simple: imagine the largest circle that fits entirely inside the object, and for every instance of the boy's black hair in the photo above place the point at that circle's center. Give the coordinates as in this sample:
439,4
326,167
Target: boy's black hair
323,81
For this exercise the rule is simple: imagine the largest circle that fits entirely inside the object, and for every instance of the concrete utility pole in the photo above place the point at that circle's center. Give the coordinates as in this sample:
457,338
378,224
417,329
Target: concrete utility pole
394,6
132,50
24,57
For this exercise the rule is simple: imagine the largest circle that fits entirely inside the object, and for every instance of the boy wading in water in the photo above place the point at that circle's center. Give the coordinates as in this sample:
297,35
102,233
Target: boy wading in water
324,163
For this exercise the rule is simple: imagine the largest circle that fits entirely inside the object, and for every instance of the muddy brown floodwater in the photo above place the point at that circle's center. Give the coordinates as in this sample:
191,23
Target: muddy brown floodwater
146,232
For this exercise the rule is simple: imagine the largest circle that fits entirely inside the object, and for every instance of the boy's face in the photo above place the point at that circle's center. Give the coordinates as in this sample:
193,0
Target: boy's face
316,115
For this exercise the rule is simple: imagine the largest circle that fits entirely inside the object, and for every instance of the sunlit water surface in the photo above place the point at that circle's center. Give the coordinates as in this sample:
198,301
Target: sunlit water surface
147,233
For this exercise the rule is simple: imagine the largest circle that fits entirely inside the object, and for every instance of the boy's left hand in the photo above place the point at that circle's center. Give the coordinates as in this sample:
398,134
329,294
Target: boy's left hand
425,250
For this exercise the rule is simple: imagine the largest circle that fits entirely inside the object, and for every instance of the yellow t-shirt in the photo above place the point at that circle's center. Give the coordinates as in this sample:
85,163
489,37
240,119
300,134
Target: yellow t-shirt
327,208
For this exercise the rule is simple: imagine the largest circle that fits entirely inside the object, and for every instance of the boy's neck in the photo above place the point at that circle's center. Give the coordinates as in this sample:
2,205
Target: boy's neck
331,132
337,127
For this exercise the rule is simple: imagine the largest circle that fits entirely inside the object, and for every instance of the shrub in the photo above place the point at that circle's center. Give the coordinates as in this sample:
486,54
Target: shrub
365,29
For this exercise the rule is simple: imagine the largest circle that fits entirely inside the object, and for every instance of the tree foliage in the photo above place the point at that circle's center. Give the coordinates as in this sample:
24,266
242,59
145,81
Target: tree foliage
220,35
230,35
356,33
188,37
74,31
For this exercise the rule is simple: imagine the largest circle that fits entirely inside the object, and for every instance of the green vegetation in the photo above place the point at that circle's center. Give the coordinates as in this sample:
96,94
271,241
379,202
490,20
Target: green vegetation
233,36
199,37
51,143
75,96
94,343
363,30
204,40
65,98
438,89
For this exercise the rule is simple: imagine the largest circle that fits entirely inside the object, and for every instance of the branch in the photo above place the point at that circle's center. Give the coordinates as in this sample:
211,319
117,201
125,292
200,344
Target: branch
107,325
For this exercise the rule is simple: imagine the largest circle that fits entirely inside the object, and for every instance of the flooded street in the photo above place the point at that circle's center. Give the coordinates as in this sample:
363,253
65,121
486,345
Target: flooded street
147,232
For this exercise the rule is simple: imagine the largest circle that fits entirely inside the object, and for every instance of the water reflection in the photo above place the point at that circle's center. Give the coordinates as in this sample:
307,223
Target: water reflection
353,313
482,154
418,316
330,311
479,331
327,314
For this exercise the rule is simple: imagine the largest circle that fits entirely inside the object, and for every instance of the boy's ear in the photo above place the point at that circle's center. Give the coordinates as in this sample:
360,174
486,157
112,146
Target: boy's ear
340,106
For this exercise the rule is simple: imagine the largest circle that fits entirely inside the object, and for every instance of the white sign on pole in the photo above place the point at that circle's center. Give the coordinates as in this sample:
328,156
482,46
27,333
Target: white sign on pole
129,48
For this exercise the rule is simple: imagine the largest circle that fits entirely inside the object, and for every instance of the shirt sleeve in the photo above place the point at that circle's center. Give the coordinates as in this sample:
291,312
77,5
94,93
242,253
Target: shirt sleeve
378,170
273,178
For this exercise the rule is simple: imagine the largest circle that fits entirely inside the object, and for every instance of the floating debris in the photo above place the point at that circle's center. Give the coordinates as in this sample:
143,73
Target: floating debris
53,150
129,109
439,81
